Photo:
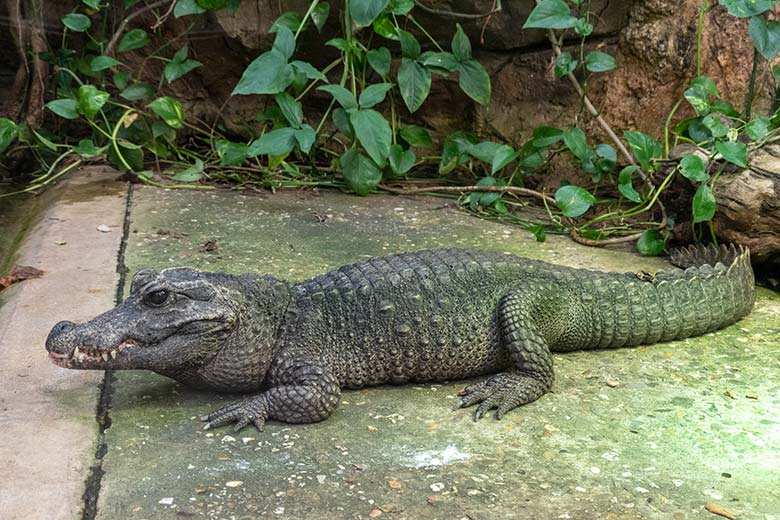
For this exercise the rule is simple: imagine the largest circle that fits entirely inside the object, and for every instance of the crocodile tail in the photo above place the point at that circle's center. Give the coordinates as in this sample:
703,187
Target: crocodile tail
716,288
698,255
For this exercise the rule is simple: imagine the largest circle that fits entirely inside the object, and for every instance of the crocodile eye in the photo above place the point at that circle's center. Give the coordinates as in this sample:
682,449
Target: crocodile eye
157,298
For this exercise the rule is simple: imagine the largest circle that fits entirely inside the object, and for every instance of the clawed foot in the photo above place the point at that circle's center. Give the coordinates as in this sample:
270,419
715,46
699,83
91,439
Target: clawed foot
503,392
249,411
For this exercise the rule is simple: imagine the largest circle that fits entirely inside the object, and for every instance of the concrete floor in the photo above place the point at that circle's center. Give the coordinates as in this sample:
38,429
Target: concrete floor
656,432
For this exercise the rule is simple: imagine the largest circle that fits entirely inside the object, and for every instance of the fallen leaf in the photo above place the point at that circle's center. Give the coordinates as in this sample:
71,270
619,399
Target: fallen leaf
433,426
719,510
18,274
372,428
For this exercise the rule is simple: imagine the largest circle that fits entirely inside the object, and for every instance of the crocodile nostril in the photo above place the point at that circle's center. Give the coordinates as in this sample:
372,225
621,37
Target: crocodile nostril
61,327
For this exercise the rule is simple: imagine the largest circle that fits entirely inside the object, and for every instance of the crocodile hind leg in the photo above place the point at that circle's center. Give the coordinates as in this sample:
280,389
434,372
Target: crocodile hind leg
532,374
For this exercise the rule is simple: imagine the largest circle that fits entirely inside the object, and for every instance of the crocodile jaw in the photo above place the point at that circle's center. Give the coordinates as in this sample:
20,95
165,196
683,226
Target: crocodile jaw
88,357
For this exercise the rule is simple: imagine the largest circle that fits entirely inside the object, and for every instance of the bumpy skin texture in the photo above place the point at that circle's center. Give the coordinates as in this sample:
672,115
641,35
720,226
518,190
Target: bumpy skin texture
414,317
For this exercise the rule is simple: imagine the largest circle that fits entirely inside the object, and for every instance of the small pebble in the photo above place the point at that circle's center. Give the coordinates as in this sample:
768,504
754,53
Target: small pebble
103,228
166,501
438,486
234,483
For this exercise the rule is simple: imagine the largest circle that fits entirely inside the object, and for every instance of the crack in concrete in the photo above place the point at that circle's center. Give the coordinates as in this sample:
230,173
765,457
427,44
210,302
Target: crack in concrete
103,411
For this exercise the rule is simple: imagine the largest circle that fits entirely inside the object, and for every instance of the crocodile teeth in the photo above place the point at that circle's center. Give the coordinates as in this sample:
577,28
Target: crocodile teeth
104,355
113,354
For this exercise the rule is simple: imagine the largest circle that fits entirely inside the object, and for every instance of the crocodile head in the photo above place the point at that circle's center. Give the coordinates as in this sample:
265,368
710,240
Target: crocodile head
209,329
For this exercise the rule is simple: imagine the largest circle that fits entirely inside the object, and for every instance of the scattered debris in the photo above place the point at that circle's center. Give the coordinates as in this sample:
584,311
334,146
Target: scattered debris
719,510
436,487
173,234
375,513
209,246
104,228
234,483
18,274
394,484
166,501
612,383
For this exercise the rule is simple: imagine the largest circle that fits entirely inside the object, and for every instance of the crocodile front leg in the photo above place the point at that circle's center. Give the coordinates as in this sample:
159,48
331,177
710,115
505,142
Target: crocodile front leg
302,392
532,374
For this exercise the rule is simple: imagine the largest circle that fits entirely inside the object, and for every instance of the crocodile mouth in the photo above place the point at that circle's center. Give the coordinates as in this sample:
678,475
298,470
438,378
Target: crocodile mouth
87,357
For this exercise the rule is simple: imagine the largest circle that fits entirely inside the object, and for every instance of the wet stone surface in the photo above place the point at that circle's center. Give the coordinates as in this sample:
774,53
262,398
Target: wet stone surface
652,432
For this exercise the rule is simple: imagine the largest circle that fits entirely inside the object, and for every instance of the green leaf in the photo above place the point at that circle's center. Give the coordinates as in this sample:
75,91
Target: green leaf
564,64
725,108
94,4
137,91
379,59
67,108
577,142
414,82
697,95
597,61
401,161
644,147
582,27
187,7
305,136
461,46
400,7
361,174
416,136
385,28
734,152
747,8
546,135
76,22
550,14
232,154
374,94
703,204
91,100
276,142
573,200
364,12
290,19
484,151
503,156
625,184
374,133
474,81
212,5
170,110
692,167
320,15
344,97
308,70
410,47
192,174
179,65
341,120
284,42
757,128
290,108
134,39
269,73
606,159
8,132
102,63
86,148
538,231
439,62
765,35
121,79
716,125
650,243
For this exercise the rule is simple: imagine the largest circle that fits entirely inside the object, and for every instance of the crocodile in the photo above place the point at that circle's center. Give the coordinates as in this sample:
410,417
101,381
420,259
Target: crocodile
423,316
